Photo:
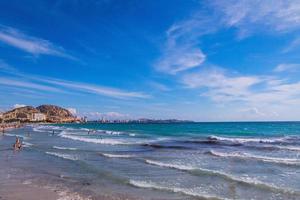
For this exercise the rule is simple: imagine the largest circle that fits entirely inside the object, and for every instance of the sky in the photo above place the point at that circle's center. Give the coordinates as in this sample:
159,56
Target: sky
201,60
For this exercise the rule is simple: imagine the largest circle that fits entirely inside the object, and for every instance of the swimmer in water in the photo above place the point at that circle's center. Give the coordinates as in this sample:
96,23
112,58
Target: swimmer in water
18,144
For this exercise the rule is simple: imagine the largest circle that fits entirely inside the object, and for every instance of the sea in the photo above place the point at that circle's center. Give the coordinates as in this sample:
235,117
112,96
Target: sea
230,160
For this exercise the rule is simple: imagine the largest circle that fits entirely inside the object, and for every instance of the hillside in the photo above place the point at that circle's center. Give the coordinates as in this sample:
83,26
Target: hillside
43,113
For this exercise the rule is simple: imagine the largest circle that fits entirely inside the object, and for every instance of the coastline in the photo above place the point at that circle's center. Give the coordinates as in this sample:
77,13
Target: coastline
143,161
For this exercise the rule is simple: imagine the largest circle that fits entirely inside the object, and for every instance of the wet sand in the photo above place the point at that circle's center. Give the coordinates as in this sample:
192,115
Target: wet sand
19,191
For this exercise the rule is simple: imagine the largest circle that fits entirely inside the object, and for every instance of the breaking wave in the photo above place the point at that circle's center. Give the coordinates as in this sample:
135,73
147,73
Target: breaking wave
247,140
65,148
116,155
197,170
288,161
187,191
63,134
63,155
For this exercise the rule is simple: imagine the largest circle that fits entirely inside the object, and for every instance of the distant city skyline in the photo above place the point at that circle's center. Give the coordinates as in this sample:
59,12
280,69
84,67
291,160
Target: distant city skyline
206,60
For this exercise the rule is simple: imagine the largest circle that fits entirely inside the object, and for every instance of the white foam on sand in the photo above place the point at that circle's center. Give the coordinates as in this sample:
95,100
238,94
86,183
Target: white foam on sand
66,195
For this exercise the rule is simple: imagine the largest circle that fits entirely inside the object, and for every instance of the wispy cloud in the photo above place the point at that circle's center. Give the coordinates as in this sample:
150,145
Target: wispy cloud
106,115
177,59
289,67
4,67
221,86
96,89
159,86
258,16
181,50
13,82
17,79
30,44
295,43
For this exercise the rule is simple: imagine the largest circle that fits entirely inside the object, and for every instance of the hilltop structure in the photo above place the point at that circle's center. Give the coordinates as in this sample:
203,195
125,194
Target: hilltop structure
43,113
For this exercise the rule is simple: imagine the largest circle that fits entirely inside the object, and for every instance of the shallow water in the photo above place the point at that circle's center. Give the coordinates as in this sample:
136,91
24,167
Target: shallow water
164,161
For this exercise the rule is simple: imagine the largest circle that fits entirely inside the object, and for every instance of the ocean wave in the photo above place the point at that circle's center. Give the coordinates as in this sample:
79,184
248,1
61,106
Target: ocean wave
288,148
65,148
247,140
27,144
113,132
108,132
62,155
194,170
241,179
44,129
187,191
63,134
164,146
16,135
287,161
116,155
85,129
169,165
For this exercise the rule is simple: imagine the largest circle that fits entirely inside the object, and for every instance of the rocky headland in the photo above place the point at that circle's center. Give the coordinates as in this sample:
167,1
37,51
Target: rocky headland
42,113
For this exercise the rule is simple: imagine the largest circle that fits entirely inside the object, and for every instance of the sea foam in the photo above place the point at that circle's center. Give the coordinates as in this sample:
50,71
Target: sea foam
241,179
245,140
116,155
288,161
65,148
62,155
187,191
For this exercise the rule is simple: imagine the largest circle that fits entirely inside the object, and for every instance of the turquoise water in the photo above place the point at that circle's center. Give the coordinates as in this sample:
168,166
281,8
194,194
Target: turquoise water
250,160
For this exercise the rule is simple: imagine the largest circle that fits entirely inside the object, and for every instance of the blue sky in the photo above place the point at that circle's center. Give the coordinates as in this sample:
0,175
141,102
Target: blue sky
209,60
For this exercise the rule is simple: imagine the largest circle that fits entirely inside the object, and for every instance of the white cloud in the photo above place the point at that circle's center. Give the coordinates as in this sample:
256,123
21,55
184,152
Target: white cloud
290,67
100,90
253,111
181,49
6,67
33,45
27,84
106,115
47,84
292,45
73,111
220,87
180,59
159,86
19,105
256,15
